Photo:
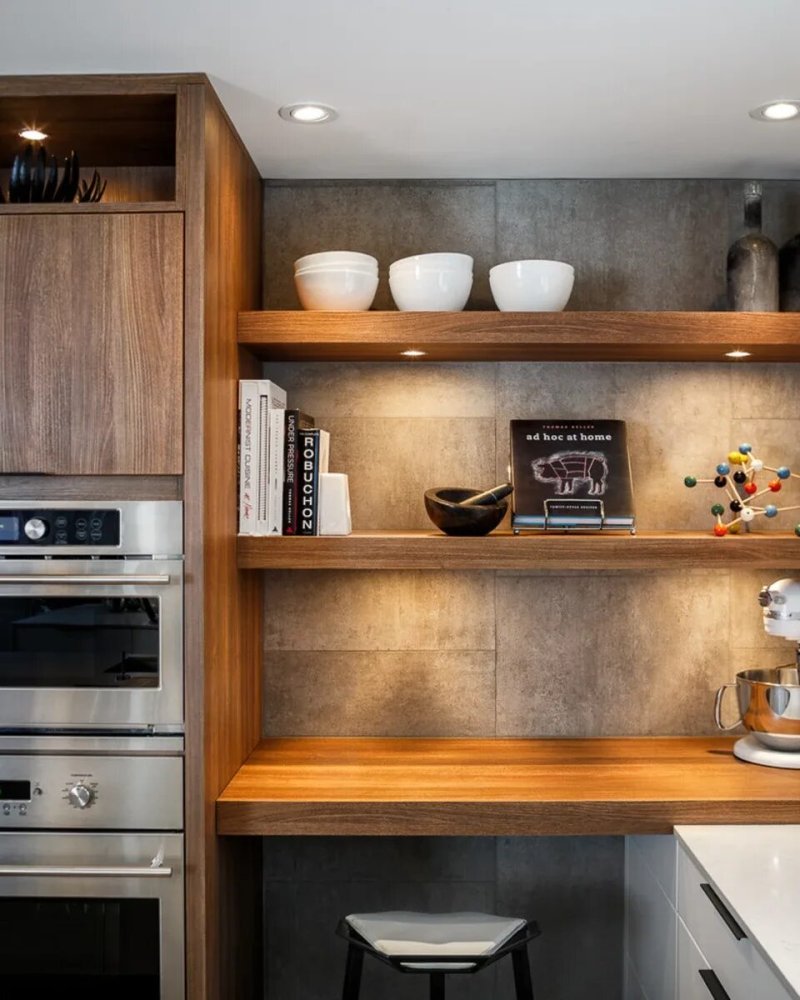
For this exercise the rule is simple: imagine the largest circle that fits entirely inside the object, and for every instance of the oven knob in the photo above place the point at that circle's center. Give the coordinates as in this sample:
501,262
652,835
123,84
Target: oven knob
35,529
80,796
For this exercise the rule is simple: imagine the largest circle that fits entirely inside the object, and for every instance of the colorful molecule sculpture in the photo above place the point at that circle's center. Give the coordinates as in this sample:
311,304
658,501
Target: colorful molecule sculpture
741,490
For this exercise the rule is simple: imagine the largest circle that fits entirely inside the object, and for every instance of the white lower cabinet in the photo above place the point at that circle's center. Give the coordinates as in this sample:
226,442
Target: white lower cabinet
682,942
739,968
691,985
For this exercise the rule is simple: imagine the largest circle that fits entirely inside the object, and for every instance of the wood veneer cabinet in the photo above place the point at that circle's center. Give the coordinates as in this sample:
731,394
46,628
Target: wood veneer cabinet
91,344
121,318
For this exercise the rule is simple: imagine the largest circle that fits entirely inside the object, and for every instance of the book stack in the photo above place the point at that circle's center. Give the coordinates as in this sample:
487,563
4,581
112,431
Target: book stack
281,458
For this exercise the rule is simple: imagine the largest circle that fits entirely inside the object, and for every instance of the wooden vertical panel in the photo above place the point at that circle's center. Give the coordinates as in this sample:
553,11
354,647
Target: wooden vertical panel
222,193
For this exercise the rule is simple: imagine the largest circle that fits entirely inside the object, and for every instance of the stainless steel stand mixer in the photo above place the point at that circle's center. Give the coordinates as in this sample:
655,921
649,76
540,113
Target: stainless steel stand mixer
769,699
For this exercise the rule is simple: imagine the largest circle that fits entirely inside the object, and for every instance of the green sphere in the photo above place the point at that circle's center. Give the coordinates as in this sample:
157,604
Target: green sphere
797,530
690,481
717,509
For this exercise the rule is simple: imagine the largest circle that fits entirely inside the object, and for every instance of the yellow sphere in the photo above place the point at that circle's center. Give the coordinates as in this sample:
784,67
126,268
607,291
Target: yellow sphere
736,457
734,528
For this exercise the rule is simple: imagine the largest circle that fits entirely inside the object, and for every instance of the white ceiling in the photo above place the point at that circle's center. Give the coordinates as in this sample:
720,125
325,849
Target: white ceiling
459,88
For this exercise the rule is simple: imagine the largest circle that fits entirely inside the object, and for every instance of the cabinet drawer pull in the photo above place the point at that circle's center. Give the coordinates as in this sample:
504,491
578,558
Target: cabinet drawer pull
723,911
713,985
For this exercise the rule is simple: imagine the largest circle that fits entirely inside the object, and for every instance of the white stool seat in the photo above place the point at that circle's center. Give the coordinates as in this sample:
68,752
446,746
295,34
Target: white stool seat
474,935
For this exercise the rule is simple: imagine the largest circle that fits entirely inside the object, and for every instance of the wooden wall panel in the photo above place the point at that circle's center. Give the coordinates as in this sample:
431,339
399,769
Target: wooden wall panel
223,604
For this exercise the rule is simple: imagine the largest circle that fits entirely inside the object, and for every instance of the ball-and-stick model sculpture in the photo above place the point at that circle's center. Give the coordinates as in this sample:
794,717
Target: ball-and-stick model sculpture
742,492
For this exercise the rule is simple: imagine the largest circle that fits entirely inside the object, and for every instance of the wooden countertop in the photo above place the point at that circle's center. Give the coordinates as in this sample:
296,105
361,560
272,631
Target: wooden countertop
487,787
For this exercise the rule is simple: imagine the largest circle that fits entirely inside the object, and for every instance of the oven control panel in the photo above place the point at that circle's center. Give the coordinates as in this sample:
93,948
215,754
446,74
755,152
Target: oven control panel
91,792
30,527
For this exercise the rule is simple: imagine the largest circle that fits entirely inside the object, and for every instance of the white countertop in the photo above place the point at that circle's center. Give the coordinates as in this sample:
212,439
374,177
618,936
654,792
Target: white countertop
756,871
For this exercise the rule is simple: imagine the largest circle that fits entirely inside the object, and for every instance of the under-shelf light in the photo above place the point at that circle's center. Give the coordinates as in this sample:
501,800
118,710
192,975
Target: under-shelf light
412,353
32,134
737,354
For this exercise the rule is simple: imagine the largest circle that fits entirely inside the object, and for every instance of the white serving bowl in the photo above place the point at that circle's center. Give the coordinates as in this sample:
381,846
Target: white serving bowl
458,261
343,290
532,285
342,257
419,289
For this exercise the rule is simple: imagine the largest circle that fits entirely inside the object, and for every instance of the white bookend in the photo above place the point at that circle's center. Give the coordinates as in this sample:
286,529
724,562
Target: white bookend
324,463
272,398
248,455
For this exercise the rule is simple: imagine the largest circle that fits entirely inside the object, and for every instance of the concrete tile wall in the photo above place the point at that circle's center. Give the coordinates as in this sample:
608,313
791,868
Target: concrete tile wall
509,654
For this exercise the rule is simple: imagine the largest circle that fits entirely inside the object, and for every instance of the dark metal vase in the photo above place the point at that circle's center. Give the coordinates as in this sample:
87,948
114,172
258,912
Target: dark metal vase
789,266
753,262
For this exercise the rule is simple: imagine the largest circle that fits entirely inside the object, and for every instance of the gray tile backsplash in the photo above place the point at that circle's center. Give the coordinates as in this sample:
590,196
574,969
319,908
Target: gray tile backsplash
509,654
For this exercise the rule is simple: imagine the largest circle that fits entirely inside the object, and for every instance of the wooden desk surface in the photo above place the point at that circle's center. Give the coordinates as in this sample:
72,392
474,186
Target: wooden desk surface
485,787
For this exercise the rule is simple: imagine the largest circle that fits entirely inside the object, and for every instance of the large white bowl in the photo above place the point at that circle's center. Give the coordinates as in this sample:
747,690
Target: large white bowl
327,268
342,257
344,290
458,261
532,285
428,290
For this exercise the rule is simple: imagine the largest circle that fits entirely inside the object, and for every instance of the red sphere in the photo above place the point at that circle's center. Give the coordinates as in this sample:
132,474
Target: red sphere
750,488
720,530
775,485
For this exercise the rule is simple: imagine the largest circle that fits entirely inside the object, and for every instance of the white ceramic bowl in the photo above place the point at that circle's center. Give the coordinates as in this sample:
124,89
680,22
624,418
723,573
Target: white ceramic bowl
421,289
532,285
343,290
342,257
459,261
327,268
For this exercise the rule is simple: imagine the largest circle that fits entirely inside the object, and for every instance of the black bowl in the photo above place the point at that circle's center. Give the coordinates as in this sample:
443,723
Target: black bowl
443,509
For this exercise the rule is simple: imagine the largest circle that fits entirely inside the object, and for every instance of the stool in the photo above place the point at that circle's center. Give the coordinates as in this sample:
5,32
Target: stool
436,944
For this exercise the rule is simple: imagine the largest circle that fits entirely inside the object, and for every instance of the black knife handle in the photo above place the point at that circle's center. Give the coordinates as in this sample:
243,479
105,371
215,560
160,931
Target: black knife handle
713,985
724,912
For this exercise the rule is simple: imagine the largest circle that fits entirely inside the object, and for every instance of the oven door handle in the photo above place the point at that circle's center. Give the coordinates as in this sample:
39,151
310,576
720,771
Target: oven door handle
48,871
90,579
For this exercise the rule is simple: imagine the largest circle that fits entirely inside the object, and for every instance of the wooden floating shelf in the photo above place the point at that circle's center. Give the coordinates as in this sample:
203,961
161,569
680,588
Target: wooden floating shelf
495,336
98,208
503,550
457,787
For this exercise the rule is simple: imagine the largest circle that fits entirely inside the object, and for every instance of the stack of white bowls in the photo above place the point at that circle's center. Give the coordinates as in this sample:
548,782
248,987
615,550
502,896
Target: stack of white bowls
337,280
434,282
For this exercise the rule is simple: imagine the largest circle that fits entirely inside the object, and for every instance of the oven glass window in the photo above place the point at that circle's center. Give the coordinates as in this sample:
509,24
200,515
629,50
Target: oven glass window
79,642
95,949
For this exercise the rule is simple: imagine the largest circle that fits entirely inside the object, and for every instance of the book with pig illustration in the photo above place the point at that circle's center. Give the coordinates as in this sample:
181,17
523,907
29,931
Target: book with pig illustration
571,474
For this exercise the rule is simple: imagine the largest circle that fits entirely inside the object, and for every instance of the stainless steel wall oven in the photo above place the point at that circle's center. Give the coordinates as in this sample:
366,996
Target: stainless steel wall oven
91,616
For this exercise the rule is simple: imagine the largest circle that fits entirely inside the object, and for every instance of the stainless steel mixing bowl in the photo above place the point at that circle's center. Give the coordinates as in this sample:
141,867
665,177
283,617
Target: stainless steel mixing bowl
769,705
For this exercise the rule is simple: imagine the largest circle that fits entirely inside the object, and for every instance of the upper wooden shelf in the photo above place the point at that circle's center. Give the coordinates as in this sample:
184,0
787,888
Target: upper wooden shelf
496,336
459,787
502,550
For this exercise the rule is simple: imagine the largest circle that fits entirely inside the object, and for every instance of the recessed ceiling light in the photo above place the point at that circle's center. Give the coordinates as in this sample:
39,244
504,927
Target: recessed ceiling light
307,113
777,111
413,354
737,354
32,134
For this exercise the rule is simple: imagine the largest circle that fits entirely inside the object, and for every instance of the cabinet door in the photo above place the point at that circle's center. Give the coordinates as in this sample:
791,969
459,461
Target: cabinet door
91,344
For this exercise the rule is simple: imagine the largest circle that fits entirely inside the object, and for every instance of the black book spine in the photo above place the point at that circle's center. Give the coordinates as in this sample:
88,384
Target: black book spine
308,479
294,423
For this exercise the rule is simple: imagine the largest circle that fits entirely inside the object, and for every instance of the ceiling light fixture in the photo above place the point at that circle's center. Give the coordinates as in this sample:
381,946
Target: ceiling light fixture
776,111
411,353
737,354
32,134
307,113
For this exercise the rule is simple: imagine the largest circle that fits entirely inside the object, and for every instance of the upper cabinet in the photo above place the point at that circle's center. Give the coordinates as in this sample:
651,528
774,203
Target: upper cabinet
91,343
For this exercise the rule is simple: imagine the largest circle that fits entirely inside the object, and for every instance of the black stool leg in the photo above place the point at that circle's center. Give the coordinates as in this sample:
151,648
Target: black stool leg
352,973
522,973
437,986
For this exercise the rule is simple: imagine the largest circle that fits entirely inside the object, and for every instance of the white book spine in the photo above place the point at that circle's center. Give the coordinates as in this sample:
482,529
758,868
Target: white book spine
324,463
277,430
272,398
248,455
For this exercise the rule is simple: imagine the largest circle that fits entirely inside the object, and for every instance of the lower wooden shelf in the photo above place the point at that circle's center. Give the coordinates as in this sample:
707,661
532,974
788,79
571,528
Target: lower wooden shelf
468,787
503,550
